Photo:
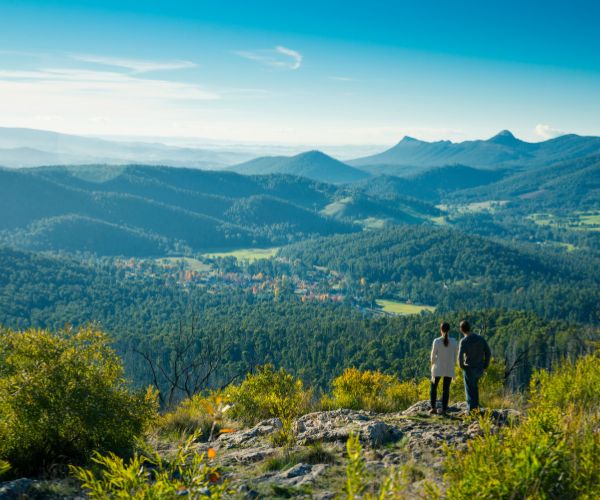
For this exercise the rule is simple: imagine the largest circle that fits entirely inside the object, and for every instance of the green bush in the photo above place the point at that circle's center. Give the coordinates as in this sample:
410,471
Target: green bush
197,415
552,454
370,390
266,394
62,397
492,393
569,384
149,476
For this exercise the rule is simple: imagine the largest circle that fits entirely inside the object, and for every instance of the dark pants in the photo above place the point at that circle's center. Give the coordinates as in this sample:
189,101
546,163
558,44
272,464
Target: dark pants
445,392
472,376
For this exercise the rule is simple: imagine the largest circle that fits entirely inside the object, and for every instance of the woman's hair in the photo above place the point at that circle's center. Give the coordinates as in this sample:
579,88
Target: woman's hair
445,328
465,326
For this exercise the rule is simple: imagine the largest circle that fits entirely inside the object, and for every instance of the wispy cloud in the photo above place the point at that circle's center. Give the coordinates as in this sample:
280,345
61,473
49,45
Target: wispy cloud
105,83
278,57
547,132
136,65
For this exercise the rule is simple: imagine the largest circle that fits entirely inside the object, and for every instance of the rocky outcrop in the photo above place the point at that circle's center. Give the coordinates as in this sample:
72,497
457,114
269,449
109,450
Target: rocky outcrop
257,468
389,440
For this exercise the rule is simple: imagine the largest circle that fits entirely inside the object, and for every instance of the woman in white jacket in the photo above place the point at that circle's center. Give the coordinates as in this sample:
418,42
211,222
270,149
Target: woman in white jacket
443,360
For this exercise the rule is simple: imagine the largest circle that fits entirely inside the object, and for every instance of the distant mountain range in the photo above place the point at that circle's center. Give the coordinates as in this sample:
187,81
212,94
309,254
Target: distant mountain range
504,150
22,147
312,164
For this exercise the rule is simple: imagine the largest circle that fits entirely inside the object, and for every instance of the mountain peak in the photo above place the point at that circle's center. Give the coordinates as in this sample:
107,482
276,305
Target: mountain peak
314,153
409,140
505,137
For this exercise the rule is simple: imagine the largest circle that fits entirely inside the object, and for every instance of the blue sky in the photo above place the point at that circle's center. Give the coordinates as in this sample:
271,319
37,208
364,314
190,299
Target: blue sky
301,72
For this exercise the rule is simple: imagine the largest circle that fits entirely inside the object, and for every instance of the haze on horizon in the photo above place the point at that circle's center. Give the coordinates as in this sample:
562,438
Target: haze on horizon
342,73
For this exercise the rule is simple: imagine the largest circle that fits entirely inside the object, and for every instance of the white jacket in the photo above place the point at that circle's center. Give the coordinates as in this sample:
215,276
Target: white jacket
443,358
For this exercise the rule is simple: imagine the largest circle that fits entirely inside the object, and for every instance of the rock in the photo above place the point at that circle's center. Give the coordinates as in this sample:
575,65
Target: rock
248,455
299,475
249,437
19,488
337,425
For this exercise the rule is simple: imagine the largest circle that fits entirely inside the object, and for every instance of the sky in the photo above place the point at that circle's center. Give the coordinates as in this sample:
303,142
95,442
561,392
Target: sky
303,72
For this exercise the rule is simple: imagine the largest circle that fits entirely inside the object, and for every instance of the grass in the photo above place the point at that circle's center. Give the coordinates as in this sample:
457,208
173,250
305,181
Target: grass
477,207
402,308
249,254
372,223
315,453
337,207
576,221
188,263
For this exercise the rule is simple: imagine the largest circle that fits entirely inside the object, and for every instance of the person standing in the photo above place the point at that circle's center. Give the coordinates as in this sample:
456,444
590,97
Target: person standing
474,356
443,359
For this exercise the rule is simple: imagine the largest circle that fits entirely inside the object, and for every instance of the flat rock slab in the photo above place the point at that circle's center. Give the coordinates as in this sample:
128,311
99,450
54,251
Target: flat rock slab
249,437
338,425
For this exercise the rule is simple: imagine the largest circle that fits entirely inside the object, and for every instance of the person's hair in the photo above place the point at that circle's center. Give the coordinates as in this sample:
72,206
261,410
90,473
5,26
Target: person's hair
465,326
445,328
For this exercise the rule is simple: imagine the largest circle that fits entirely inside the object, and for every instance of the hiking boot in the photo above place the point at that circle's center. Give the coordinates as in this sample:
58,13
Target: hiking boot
433,411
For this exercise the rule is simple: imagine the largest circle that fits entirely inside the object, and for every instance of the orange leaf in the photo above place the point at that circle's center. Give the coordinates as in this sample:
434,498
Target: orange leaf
211,453
226,431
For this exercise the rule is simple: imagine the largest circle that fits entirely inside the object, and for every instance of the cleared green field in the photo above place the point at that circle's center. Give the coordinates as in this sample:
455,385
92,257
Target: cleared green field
402,308
591,219
577,221
372,223
249,254
337,207
477,207
189,263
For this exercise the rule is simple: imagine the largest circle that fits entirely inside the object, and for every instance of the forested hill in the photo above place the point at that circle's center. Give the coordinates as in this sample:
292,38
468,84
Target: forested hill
453,270
316,341
142,211
312,164
566,185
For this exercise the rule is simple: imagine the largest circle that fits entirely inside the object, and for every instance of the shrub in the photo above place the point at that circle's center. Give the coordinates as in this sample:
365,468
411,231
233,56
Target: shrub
393,483
199,415
491,387
269,393
63,396
149,476
575,384
371,390
552,454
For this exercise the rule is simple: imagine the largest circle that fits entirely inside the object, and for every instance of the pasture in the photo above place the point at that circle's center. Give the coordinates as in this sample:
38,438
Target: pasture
248,254
402,308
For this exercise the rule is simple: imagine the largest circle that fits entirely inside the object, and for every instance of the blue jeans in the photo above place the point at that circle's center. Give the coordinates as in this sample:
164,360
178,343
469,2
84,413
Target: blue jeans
471,377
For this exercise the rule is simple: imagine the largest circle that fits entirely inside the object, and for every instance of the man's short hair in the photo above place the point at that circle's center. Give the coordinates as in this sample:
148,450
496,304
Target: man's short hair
465,326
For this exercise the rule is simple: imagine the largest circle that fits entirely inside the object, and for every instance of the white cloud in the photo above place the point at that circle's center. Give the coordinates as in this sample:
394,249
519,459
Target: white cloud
279,57
106,83
136,65
547,132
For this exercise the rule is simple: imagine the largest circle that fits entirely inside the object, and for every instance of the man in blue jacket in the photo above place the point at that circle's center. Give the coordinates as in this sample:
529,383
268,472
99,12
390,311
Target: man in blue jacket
474,357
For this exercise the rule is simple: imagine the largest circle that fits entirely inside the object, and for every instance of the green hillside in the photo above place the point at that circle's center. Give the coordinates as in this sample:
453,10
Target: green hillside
456,271
312,164
200,211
